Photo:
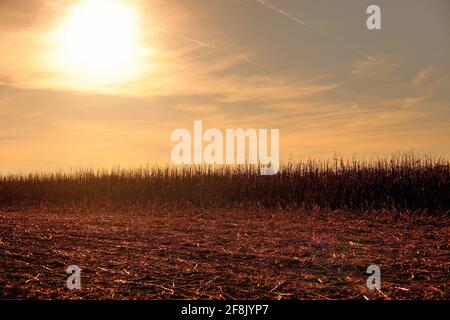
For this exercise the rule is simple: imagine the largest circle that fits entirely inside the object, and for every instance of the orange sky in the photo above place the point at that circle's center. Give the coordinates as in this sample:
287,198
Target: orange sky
104,82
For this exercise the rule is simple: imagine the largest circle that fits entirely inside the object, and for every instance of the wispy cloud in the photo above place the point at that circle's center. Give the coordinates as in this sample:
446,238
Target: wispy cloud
423,76
372,67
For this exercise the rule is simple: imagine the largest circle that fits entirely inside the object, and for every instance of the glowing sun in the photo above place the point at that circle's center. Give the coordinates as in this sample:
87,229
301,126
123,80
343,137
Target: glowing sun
100,41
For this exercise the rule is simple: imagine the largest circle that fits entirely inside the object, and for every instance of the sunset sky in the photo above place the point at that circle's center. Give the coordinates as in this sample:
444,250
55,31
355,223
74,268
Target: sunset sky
104,82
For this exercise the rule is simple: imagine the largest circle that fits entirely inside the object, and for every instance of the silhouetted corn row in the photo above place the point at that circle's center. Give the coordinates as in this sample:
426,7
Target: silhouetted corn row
406,182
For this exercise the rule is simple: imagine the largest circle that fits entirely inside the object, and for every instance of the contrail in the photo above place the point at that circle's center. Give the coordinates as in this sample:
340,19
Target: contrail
280,11
198,42
209,46
286,14
254,10
185,38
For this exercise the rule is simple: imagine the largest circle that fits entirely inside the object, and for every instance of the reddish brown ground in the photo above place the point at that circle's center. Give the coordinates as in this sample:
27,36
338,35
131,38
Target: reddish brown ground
172,254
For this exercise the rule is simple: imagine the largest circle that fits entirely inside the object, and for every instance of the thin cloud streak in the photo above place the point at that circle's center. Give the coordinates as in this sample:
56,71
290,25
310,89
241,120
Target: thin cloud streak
270,6
288,15
185,38
209,46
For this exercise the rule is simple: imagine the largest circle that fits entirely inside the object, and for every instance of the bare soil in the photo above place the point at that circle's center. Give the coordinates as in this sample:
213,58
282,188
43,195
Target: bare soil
154,253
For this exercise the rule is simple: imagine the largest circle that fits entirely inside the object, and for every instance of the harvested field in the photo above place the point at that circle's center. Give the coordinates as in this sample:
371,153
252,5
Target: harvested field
191,253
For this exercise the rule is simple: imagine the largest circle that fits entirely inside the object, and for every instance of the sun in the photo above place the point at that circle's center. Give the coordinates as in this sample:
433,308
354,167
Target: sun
100,41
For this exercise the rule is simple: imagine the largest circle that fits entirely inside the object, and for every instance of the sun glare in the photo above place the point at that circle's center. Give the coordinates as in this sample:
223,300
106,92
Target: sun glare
100,41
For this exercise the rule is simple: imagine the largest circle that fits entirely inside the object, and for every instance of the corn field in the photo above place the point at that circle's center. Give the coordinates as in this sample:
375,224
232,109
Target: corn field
400,183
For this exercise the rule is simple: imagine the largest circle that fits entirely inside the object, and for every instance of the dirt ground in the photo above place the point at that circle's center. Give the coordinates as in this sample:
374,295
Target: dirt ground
149,253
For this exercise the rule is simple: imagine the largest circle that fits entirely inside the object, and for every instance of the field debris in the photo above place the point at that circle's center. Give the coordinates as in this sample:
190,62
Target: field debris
192,253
